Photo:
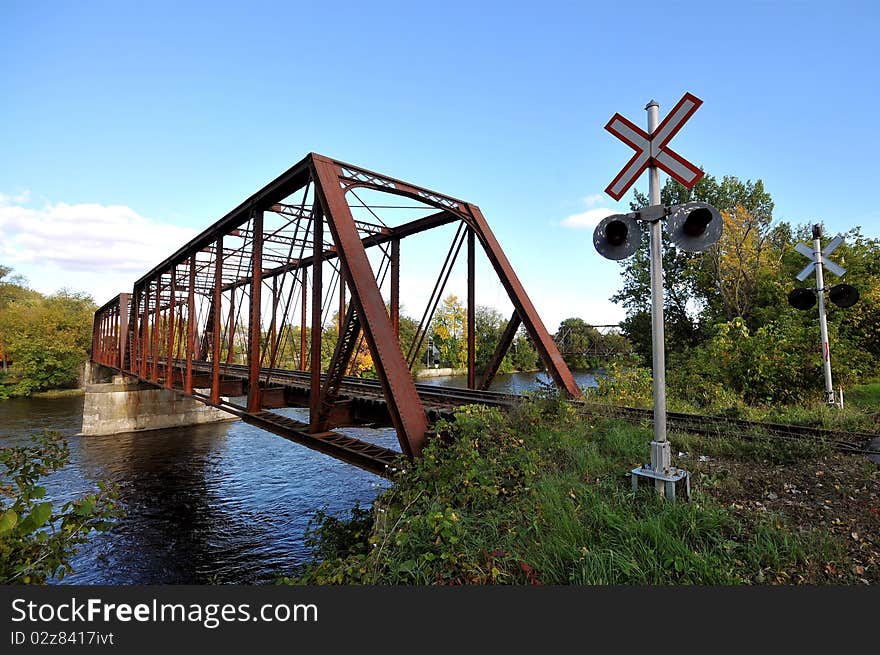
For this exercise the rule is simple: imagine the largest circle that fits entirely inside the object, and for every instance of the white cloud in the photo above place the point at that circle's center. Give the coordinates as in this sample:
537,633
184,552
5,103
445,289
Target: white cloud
90,247
594,199
589,218
19,198
84,237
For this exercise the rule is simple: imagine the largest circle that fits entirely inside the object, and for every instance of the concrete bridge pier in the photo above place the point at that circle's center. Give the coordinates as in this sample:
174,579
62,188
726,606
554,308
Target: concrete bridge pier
126,405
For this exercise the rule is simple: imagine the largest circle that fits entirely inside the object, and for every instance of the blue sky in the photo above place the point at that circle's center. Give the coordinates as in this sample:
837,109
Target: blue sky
127,127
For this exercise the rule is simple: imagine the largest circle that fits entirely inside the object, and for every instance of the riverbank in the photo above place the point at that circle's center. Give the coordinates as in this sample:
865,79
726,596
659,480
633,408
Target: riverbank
543,496
59,393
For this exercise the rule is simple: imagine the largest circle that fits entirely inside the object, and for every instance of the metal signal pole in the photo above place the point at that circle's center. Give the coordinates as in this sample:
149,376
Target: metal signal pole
660,455
823,323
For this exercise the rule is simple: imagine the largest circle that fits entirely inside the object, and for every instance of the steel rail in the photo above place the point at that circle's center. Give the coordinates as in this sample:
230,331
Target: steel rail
449,398
847,441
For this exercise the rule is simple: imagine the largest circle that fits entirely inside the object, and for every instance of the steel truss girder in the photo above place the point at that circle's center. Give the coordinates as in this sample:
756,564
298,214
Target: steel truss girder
225,263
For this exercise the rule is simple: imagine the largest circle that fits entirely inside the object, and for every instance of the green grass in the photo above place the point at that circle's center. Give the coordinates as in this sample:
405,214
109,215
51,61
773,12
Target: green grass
543,496
866,396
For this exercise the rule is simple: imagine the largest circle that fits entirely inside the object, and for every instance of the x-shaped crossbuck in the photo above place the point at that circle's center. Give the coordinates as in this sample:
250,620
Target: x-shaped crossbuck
652,150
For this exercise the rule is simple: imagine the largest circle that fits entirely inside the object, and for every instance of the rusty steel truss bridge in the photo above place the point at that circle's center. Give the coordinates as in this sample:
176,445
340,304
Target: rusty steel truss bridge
243,316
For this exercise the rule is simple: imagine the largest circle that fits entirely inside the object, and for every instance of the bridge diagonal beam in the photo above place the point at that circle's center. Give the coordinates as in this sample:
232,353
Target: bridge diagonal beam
547,350
345,347
407,414
501,349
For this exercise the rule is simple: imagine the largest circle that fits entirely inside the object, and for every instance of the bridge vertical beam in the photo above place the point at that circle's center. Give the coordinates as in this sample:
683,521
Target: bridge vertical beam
549,353
395,286
154,342
254,325
169,351
112,347
134,355
117,343
190,326
303,349
180,340
96,322
215,337
102,339
131,351
145,329
340,319
404,405
113,344
273,328
471,312
317,292
124,302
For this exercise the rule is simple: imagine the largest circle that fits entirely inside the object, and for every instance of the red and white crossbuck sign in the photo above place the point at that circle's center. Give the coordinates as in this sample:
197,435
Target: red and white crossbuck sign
652,150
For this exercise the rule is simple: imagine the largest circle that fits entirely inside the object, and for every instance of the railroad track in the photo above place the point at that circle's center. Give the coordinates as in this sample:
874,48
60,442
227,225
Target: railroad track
850,442
445,399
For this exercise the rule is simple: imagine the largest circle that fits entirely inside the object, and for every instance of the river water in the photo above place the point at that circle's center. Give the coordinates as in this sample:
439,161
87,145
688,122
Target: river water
220,503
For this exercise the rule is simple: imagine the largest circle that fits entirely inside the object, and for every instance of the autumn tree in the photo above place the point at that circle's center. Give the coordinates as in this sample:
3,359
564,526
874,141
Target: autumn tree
449,328
691,289
742,265
46,338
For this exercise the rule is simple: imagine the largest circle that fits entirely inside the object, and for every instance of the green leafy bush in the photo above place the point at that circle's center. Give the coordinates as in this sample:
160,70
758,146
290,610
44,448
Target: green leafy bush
37,539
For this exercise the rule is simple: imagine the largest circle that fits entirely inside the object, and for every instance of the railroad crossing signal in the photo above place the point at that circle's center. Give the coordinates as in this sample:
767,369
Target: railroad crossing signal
693,226
652,149
842,295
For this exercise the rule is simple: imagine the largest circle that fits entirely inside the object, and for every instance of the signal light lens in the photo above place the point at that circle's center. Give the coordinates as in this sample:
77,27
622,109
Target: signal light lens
616,233
801,298
697,221
694,226
617,236
843,295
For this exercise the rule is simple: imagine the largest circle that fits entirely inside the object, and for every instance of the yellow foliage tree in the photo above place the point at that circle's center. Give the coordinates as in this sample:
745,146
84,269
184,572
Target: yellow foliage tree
450,332
741,260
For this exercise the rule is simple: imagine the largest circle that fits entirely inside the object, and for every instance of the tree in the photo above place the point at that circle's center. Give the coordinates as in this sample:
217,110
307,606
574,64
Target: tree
47,338
47,341
449,328
578,341
489,325
14,294
691,287
741,264
523,355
